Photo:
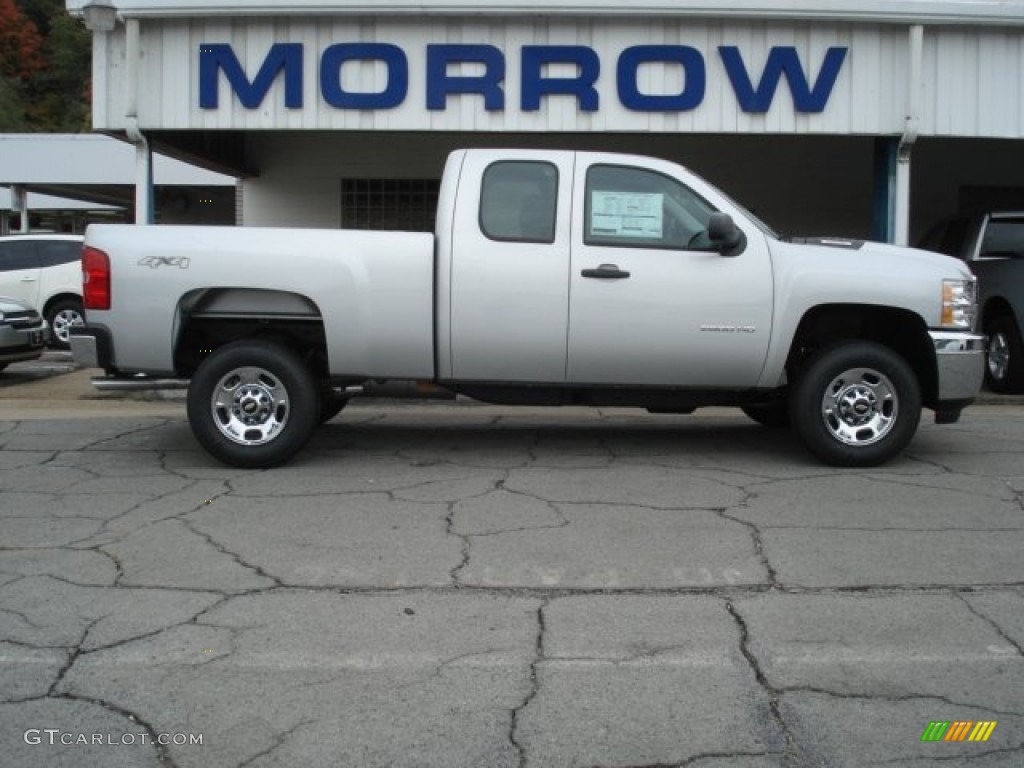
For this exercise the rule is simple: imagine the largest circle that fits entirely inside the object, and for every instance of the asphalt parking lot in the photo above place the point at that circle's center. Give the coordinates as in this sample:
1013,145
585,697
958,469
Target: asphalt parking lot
463,585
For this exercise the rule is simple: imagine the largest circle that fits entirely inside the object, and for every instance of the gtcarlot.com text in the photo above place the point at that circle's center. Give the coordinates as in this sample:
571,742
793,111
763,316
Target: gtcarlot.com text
54,736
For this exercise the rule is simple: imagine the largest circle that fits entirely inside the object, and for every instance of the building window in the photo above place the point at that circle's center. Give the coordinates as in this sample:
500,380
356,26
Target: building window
397,204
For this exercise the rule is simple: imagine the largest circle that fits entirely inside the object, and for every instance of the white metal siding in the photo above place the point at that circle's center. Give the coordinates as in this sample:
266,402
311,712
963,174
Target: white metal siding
974,77
974,83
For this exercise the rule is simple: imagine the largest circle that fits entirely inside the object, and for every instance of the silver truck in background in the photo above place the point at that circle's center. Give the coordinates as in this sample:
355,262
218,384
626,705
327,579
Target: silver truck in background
553,277
992,244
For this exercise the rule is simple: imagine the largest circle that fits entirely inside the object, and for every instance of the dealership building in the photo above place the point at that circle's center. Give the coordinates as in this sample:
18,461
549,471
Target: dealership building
865,118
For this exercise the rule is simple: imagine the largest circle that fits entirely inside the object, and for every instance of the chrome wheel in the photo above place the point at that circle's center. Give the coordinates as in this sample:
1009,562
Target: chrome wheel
62,321
859,406
998,356
250,406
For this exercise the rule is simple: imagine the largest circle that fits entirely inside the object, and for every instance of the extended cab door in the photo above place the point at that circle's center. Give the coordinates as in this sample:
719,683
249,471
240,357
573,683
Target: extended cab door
652,303
510,267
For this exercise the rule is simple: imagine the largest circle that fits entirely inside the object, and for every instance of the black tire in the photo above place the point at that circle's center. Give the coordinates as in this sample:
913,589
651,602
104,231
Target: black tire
856,404
331,405
771,415
60,316
253,404
1004,369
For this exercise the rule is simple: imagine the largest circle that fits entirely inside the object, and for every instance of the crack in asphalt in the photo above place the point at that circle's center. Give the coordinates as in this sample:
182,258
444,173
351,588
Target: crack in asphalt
755,535
538,657
792,752
74,652
280,739
162,753
991,622
237,558
455,574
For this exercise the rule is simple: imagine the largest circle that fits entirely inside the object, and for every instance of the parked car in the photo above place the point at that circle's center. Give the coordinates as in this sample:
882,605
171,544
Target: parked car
45,272
23,332
992,244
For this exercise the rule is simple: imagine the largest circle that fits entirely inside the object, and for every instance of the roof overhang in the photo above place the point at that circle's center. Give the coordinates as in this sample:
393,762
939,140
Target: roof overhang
970,12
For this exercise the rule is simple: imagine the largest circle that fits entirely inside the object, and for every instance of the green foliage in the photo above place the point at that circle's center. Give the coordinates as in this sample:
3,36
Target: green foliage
45,66
12,109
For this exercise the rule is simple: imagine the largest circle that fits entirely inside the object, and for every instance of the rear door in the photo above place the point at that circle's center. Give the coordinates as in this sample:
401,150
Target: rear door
19,271
510,267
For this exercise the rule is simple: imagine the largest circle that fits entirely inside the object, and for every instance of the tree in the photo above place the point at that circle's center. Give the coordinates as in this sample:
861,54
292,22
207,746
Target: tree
44,67
21,45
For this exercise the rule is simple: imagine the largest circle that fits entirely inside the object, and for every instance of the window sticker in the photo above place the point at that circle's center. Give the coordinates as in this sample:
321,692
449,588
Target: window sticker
626,214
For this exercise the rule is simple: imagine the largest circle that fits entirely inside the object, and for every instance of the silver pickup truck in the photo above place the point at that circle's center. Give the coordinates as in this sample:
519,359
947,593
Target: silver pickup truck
553,277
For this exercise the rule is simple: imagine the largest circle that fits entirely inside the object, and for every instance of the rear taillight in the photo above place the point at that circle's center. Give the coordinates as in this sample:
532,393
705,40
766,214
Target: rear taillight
95,278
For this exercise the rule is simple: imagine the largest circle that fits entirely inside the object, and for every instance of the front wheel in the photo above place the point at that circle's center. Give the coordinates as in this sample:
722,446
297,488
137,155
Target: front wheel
253,404
856,404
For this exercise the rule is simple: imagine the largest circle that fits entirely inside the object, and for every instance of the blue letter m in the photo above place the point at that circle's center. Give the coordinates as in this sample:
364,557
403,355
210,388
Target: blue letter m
782,60
219,57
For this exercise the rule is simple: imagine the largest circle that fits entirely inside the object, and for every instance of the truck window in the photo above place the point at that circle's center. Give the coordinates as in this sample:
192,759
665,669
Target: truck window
633,207
1004,239
519,201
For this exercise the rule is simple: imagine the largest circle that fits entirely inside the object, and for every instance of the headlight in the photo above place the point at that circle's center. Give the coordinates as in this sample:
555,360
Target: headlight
959,304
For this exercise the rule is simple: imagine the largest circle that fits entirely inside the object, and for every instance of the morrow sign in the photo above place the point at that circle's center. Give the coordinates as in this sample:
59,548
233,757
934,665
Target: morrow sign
754,92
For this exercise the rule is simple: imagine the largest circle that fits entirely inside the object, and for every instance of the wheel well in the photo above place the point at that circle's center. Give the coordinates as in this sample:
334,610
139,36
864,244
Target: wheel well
900,330
995,308
50,302
212,317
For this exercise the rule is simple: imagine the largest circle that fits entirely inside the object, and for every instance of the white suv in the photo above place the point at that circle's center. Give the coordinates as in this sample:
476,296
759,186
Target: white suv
45,272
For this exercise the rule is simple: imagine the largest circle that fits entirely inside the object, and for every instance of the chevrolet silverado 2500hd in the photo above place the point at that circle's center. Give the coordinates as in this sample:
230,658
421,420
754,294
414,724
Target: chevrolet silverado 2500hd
553,277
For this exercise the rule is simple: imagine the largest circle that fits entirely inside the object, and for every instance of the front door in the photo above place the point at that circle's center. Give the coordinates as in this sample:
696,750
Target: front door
652,304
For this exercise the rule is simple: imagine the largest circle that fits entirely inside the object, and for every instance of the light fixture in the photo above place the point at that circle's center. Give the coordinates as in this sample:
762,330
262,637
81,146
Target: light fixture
100,16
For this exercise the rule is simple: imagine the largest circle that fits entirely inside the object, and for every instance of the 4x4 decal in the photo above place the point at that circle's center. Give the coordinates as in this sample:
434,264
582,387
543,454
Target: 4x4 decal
153,262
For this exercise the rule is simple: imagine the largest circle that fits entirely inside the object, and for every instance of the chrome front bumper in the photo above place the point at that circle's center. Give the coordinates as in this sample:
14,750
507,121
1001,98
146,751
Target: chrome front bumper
960,361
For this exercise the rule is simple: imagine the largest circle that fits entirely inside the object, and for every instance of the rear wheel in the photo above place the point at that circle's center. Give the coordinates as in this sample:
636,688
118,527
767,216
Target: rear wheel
856,404
1005,369
253,404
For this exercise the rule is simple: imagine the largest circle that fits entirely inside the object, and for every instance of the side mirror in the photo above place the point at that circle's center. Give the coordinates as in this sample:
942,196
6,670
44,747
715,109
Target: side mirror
725,236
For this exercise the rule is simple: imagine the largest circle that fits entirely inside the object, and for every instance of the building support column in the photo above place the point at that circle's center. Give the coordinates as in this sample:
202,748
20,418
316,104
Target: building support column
19,205
901,235
883,227
144,193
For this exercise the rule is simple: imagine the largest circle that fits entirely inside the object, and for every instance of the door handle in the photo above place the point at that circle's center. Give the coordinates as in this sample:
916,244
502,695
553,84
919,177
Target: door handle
28,279
606,272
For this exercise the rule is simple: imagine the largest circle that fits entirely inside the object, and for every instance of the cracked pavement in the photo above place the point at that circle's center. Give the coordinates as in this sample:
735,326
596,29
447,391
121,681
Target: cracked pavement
463,585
